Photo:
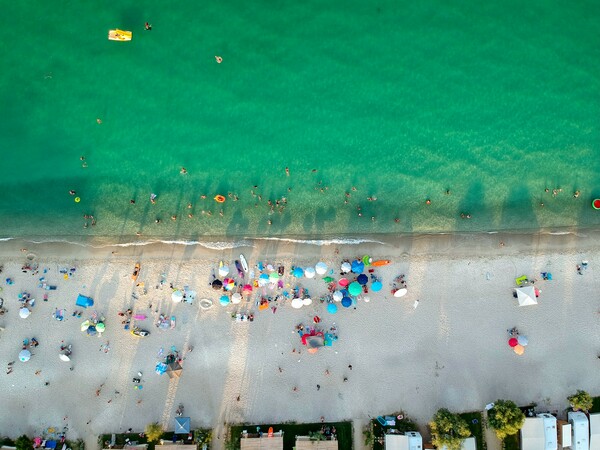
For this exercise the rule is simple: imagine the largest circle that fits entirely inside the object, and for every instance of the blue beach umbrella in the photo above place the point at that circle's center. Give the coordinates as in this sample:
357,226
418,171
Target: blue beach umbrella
224,300
345,292
357,266
376,286
354,288
263,280
332,308
298,272
346,302
362,279
91,331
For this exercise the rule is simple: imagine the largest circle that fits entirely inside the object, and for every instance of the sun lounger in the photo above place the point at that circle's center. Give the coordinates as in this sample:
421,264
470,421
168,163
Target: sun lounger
521,280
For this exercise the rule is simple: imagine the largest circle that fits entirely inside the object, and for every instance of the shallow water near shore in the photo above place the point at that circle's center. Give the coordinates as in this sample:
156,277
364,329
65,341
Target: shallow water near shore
401,102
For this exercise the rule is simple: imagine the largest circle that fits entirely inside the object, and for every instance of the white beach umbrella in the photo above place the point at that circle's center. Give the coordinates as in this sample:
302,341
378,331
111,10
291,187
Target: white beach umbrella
321,268
177,296
64,357
24,313
309,272
236,298
25,355
338,296
346,267
223,270
526,296
522,340
297,303
307,301
400,292
366,299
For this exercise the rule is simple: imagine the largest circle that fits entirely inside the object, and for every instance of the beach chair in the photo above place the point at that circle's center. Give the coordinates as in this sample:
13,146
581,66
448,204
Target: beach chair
521,280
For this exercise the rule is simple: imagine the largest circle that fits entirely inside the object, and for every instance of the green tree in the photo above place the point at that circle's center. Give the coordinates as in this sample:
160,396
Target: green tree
505,418
448,429
581,400
369,435
24,443
153,431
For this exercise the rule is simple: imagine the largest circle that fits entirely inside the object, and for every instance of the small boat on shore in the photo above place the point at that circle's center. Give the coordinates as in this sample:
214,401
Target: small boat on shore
119,35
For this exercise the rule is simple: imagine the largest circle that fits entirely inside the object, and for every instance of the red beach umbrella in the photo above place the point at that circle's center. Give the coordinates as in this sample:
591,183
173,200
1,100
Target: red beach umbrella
343,282
247,288
513,342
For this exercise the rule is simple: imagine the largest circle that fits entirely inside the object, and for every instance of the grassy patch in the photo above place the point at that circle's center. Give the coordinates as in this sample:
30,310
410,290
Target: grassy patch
475,422
291,430
402,426
511,442
595,405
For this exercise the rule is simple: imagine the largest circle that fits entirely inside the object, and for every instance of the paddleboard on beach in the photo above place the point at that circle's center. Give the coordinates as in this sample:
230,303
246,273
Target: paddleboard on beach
244,263
381,262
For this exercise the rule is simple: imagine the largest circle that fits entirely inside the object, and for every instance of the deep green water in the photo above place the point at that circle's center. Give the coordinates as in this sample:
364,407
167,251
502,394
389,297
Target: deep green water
402,100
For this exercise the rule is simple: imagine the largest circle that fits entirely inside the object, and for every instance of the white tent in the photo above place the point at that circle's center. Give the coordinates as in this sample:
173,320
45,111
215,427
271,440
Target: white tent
526,296
595,431
532,434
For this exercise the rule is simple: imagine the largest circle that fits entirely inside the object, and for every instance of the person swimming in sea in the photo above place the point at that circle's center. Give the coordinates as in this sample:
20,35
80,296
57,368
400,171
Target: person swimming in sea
153,198
147,26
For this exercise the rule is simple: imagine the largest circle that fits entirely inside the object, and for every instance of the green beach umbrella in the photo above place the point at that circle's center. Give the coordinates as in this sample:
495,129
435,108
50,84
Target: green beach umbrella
366,260
274,276
327,279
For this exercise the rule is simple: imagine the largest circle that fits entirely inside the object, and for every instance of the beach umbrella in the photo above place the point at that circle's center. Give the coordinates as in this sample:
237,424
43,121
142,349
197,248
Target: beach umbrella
297,303
366,299
298,272
236,298
338,296
346,267
513,342
64,357
263,280
309,272
177,296
327,279
224,300
332,308
223,271
523,340
346,302
355,288
91,331
376,286
274,275
306,301
366,260
217,284
519,349
400,292
343,282
100,327
24,355
24,313
321,268
228,283
247,288
357,266
85,325
362,279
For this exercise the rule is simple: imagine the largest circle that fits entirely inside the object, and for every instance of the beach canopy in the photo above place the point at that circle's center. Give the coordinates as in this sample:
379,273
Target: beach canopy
513,342
306,301
84,302
357,266
338,296
223,271
100,327
309,272
346,302
400,292
236,298
24,355
182,425
64,357
355,288
298,272
526,296
174,370
297,303
332,308
523,340
24,313
217,284
376,286
224,300
177,296
263,280
362,279
519,349
321,268
346,267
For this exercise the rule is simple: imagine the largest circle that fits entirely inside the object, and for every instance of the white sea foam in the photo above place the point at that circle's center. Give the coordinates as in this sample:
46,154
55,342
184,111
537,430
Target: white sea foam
332,241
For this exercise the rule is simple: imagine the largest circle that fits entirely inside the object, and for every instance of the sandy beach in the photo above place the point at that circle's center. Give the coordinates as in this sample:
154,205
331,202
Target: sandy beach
450,351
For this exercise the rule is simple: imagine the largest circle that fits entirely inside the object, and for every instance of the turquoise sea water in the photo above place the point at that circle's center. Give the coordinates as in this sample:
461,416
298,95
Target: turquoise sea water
494,101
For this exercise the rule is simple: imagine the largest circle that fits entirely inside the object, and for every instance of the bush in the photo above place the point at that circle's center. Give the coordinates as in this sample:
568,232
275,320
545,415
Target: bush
581,400
24,443
505,418
153,431
448,429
